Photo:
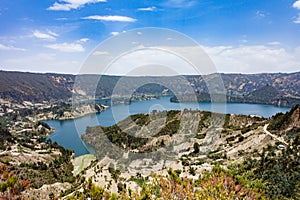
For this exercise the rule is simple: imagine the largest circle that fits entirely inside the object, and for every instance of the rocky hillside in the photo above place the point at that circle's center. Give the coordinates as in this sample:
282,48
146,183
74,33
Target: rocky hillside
215,154
175,134
260,88
20,86
194,142
290,120
239,84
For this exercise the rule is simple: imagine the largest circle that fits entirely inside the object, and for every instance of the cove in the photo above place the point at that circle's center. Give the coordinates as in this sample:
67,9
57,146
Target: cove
67,133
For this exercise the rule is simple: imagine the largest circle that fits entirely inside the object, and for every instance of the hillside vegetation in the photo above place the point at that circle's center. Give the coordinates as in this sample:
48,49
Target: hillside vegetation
161,155
239,162
277,88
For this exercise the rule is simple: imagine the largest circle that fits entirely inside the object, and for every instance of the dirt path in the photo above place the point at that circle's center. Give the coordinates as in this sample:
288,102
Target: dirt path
273,136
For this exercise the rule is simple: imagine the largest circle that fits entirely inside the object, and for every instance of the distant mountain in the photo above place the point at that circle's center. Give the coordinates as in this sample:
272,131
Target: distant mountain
271,88
20,86
239,84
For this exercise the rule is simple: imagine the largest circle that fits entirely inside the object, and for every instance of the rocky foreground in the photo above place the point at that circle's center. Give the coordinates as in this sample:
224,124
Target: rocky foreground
166,155
192,143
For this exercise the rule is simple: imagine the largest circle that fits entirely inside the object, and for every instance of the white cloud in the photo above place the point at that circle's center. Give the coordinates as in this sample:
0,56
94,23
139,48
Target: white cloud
227,59
42,62
152,8
254,59
83,40
10,48
58,6
67,47
53,34
149,62
50,36
114,33
297,4
71,4
113,18
297,20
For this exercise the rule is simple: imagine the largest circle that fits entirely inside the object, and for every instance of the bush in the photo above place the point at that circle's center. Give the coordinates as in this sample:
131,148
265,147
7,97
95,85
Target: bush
241,138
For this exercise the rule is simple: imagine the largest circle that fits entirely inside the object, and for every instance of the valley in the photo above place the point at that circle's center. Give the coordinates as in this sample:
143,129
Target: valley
150,152
149,100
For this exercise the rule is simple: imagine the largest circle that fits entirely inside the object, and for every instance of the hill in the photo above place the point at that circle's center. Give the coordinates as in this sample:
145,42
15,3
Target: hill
276,88
20,86
193,142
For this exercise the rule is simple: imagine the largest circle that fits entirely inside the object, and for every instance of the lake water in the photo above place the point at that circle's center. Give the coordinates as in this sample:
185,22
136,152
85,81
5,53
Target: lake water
67,133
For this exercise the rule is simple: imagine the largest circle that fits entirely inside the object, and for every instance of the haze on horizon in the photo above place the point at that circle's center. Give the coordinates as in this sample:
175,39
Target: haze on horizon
239,36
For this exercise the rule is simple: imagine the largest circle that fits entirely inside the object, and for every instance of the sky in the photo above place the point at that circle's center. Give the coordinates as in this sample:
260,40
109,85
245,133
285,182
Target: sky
245,36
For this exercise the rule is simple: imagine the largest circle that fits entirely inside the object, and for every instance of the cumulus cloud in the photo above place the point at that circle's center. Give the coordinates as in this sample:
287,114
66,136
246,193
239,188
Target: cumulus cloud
68,5
151,8
297,4
45,36
112,18
10,48
67,47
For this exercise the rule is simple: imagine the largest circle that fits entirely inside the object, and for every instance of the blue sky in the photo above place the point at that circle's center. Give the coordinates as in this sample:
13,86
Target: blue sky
245,36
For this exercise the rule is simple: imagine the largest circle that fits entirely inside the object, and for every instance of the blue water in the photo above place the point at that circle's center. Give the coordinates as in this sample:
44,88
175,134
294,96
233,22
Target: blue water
67,133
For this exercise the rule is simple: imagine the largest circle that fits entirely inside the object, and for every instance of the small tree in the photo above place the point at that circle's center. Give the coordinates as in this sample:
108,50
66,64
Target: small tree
196,148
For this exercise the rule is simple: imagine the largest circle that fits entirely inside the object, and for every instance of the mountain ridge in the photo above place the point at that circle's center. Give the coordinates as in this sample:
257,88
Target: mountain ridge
38,87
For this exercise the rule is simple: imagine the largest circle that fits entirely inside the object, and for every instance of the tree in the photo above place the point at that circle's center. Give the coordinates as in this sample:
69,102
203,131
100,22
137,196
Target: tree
196,148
